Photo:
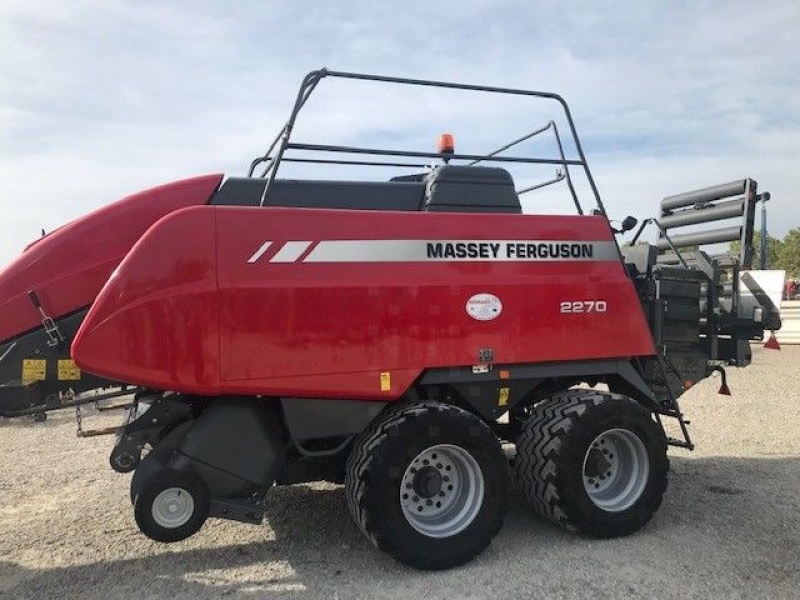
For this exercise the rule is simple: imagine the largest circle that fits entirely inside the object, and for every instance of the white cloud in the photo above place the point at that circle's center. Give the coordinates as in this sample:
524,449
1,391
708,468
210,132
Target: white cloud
100,99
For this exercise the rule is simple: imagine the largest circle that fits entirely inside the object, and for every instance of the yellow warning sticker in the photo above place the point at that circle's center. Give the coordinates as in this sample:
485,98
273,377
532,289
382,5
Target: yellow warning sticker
68,370
386,381
502,399
34,369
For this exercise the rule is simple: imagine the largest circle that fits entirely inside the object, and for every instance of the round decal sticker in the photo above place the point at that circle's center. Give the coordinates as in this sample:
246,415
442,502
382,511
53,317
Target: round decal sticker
484,307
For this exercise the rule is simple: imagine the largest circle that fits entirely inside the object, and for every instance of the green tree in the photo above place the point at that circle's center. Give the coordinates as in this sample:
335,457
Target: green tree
788,255
774,246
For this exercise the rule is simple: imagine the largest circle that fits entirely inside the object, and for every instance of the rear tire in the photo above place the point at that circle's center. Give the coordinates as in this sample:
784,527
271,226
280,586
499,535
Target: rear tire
427,483
593,462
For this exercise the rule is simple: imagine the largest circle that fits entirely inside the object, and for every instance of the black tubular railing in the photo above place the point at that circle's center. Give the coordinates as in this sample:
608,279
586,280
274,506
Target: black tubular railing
274,155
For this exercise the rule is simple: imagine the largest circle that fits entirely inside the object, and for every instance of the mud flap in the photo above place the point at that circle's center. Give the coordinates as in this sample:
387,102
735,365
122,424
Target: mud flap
236,446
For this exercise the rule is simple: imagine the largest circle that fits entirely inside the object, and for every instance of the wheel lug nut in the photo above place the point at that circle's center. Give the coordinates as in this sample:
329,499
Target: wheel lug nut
429,502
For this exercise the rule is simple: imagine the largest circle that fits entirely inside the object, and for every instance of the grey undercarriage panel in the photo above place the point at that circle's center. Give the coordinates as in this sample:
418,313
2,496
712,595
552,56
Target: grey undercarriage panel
309,418
483,390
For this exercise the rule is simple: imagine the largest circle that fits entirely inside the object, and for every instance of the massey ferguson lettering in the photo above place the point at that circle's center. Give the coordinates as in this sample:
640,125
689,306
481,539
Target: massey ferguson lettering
549,250
463,250
510,250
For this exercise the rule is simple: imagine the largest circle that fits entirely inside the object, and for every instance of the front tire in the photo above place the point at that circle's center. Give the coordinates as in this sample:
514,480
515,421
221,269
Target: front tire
427,483
172,505
593,462
156,460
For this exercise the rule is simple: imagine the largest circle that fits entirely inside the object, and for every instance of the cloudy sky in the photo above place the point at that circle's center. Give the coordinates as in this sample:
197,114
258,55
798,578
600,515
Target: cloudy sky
99,98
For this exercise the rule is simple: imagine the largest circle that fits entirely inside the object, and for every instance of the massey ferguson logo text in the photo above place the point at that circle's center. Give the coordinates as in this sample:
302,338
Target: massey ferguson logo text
511,250
365,251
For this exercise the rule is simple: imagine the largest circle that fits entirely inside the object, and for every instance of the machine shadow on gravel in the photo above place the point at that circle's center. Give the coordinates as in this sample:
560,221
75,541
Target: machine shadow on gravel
744,508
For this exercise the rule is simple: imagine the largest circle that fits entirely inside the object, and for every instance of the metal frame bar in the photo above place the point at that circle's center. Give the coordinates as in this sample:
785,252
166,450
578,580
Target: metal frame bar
560,176
281,143
361,163
666,237
77,401
413,154
505,147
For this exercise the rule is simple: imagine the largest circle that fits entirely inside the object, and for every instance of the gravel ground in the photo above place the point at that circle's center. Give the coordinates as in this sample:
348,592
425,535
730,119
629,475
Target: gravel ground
729,526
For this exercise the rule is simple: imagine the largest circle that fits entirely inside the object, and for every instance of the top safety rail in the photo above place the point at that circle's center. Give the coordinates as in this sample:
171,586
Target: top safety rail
280,150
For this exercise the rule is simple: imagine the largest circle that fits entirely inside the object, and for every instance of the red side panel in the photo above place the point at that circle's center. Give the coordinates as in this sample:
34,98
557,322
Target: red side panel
326,303
68,267
156,321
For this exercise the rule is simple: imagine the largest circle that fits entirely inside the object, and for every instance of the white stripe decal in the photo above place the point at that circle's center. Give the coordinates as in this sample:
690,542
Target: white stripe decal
260,252
290,252
339,251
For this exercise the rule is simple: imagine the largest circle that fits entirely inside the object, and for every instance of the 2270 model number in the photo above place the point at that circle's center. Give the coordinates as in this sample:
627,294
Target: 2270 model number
584,306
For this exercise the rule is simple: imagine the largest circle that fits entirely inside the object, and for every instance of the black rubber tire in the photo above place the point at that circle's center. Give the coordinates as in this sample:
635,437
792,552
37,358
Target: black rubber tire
188,483
551,450
151,464
157,459
124,462
376,465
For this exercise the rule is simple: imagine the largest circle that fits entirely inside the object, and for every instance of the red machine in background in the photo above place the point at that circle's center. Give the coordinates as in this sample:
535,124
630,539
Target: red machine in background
46,291
277,331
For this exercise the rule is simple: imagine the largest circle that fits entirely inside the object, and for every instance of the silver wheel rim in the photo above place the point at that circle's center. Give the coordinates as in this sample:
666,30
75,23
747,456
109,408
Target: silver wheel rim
615,470
172,508
442,491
